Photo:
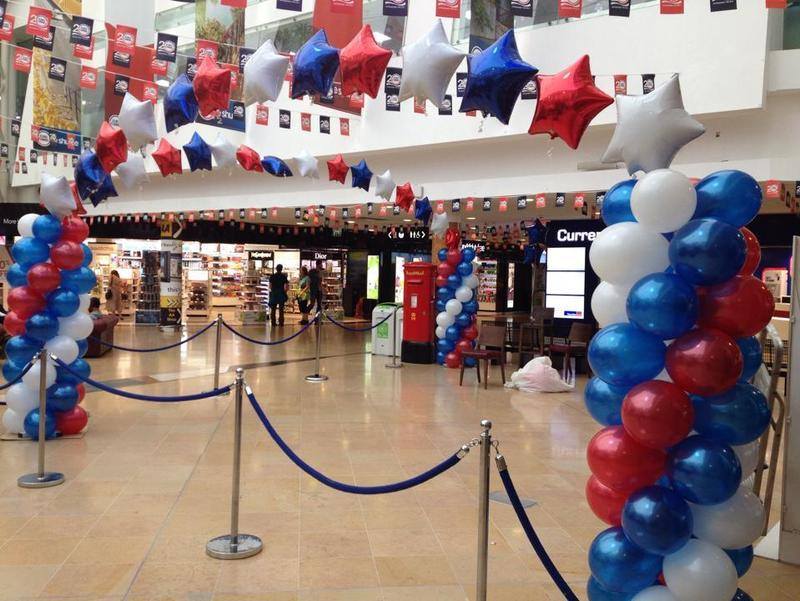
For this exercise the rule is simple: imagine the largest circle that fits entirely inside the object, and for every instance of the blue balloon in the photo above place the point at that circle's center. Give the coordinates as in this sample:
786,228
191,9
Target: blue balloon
604,401
705,252
703,471
620,566
63,302
83,346
12,370
441,305
467,255
88,255
657,519
42,326
21,349
464,268
61,397
442,254
47,228
741,558
598,593
180,103
452,333
17,275
730,196
495,78
737,416
623,355
362,175
470,307
463,320
423,210
80,280
617,203
751,355
105,190
198,153
275,166
314,67
470,362
32,424
440,356
663,304
454,281
79,366
444,345
30,251
89,174
445,294
741,596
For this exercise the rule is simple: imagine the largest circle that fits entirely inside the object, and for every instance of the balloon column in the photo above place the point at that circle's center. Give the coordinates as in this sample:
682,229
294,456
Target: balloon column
50,280
672,361
456,303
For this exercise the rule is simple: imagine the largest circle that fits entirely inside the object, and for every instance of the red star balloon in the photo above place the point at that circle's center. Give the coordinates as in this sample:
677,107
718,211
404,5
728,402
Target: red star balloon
404,196
568,101
212,87
111,147
168,158
79,209
249,159
363,63
337,169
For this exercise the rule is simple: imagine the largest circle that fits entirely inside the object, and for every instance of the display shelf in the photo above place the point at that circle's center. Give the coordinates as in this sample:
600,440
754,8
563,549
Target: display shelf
487,286
148,298
197,295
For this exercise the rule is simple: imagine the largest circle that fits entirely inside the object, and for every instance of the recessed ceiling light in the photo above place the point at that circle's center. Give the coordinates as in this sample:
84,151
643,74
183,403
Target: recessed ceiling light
299,223
350,221
407,220
471,218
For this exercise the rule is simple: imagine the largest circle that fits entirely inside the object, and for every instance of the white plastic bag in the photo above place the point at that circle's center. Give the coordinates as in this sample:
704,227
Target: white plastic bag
538,375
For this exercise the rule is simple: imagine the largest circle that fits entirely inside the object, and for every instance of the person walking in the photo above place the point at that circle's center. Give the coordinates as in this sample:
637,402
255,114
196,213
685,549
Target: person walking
304,296
114,294
278,285
315,285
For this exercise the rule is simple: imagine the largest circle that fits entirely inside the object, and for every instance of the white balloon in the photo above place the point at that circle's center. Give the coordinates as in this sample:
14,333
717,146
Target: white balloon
132,173
608,304
307,165
56,195
25,225
440,332
732,524
453,307
626,252
264,73
224,151
31,379
663,200
748,457
464,294
84,299
471,281
137,118
445,320
428,66
384,185
655,593
63,347
439,224
14,422
699,571
21,399
77,326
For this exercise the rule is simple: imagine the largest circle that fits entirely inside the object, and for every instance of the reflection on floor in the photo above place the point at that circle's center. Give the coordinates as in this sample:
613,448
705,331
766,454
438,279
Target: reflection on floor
149,483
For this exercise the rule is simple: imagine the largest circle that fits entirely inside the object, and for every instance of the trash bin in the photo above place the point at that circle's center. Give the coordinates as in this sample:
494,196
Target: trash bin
382,335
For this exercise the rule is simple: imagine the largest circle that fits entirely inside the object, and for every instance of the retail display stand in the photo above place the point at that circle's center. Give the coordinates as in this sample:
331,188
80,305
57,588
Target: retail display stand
487,286
148,304
197,295
254,295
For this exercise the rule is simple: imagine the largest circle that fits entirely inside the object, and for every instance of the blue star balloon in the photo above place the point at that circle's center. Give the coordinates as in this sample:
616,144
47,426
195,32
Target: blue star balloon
275,166
422,210
495,79
198,153
362,176
180,103
89,175
314,66
106,190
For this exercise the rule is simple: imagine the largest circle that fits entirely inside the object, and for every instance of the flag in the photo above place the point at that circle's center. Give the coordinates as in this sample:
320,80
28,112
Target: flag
262,114
206,48
38,21
167,47
620,84
569,8
125,38
448,8
81,32
619,8
22,60
671,7
81,51
88,77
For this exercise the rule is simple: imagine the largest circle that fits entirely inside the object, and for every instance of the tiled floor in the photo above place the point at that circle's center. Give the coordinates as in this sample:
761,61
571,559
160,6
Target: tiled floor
149,484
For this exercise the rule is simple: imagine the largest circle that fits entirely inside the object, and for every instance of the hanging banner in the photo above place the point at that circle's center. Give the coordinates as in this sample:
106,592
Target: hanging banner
50,139
579,200
469,205
395,8
190,68
450,9
158,66
284,119
324,124
392,80
125,38
777,4
38,21
88,79
773,189
522,203
305,121
531,90
561,199
619,8
23,59
232,118
206,49
541,201
167,47
57,69
234,3
720,5
7,30
121,85
150,92
344,126
461,83
447,105
121,58
81,32
620,84
45,42
293,5
648,82
522,8
502,205
262,114
672,7
87,52
569,8
393,102
244,56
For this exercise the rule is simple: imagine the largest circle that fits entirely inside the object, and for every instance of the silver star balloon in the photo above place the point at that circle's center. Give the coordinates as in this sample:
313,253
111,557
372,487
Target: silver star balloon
439,224
223,151
132,172
264,73
56,195
138,120
651,129
428,66
307,165
384,185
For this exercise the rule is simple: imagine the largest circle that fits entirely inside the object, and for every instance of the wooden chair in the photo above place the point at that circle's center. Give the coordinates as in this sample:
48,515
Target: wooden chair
491,345
576,345
534,333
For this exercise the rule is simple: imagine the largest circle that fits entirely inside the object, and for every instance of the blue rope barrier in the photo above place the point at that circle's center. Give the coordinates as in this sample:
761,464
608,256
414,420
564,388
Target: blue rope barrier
144,397
537,545
340,486
350,329
160,348
270,342
25,370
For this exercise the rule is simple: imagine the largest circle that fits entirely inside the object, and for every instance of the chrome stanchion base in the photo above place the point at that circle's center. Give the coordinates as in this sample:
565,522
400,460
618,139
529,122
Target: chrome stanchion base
394,365
45,480
223,547
316,378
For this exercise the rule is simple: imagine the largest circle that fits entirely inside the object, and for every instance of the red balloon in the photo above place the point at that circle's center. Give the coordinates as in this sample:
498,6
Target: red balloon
72,421
46,277
81,391
337,169
740,307
25,301
470,332
168,158
452,238
657,414
74,229
568,101
111,147
362,63
441,281
605,502
452,360
249,159
704,362
454,256
445,269
753,252
464,345
66,254
404,196
14,324
212,87
621,463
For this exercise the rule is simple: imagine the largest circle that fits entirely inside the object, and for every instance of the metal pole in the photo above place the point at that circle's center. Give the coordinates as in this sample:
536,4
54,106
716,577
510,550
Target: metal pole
41,479
316,376
483,510
235,545
394,364
218,351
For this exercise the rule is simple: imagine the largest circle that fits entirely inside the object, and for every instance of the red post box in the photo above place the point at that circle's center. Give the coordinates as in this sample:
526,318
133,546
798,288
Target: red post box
419,315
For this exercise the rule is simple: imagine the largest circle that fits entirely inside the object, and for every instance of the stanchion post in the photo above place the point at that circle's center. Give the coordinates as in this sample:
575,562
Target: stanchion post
316,376
483,511
218,350
41,479
235,545
394,364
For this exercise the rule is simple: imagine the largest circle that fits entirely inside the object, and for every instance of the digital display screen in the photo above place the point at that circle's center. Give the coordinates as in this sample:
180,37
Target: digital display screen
373,274
566,259
566,282
566,307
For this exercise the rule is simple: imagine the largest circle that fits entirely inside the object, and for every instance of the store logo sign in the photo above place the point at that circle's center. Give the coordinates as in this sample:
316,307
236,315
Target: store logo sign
564,235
